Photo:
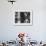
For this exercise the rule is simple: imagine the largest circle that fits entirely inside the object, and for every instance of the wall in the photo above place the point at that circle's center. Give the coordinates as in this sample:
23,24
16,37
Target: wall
9,31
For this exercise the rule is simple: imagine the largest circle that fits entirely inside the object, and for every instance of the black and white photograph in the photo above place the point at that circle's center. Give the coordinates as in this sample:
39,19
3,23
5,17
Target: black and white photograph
23,18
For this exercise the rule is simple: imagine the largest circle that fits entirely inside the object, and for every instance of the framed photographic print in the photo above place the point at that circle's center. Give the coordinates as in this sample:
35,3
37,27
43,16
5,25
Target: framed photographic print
23,18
